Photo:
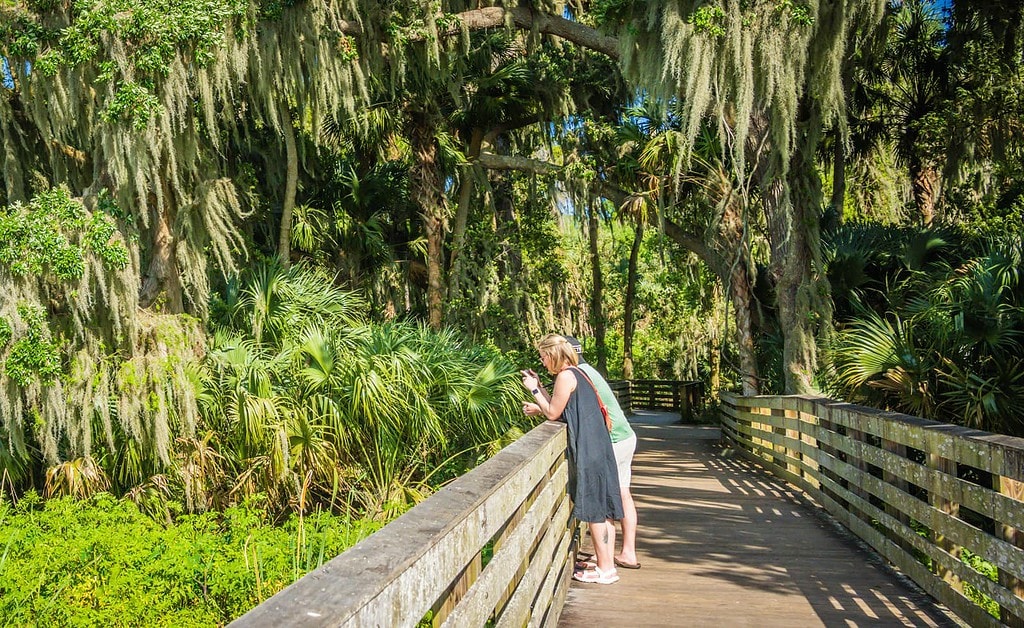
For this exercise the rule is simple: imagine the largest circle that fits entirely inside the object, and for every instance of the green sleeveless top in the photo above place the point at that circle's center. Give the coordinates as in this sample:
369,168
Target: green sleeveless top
621,429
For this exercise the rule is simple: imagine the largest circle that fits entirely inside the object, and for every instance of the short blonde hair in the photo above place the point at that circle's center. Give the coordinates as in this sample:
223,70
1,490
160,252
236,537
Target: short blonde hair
559,350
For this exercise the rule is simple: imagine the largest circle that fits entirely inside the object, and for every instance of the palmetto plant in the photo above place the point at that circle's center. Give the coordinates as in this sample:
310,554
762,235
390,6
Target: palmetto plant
983,374
883,363
313,404
81,477
939,335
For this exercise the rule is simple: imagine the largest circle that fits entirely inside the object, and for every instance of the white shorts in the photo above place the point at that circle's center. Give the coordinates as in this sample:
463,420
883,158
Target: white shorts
624,450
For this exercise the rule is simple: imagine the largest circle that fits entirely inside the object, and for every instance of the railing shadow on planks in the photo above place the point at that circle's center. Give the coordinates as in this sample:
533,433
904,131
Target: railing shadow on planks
933,499
429,566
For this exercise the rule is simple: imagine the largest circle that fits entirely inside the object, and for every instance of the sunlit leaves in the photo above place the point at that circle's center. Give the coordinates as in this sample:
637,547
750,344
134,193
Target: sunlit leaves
875,353
35,354
102,561
315,400
134,103
53,233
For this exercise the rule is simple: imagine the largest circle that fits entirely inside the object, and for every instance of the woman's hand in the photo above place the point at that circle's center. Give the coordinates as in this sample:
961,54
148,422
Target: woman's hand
530,380
531,409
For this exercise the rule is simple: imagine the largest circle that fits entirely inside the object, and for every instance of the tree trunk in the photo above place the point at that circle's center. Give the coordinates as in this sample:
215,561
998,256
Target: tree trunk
802,296
162,287
511,268
597,321
715,371
925,182
743,303
734,271
839,179
291,183
462,214
628,323
737,277
429,196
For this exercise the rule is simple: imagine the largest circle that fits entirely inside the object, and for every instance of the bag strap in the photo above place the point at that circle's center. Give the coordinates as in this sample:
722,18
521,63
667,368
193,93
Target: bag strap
604,409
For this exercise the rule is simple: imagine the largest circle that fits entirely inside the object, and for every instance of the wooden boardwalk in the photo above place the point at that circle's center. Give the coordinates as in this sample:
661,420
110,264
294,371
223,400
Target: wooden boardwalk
722,543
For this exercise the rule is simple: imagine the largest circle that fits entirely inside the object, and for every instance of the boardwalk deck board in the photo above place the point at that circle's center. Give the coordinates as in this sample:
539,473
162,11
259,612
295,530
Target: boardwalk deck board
724,544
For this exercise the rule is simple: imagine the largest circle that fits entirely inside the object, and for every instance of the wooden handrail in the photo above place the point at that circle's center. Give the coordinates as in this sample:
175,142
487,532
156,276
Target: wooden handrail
684,397
925,495
429,563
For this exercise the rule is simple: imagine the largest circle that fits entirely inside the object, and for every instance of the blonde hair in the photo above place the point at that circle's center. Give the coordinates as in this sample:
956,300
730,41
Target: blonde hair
559,350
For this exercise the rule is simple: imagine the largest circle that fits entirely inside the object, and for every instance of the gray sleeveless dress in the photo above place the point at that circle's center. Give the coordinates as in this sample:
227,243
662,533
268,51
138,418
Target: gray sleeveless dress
595,485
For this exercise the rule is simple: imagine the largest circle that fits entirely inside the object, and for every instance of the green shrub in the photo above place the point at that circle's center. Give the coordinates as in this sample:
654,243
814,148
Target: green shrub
100,562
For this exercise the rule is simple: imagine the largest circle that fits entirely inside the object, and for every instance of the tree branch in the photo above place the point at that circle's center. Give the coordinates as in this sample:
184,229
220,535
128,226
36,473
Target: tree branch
526,18
523,18
600,189
695,245
491,161
511,125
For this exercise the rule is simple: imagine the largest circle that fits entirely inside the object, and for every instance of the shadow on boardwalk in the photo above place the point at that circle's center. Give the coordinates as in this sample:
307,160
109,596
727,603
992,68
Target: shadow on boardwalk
722,543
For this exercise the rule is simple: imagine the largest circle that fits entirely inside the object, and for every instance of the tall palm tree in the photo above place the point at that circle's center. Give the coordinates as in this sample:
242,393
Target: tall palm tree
903,94
644,127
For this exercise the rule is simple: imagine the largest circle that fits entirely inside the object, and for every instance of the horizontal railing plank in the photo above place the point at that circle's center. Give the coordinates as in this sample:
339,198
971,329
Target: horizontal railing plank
478,604
877,472
396,575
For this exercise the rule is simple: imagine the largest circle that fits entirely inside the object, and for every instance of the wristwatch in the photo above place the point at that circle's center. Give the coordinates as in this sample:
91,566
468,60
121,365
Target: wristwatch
535,391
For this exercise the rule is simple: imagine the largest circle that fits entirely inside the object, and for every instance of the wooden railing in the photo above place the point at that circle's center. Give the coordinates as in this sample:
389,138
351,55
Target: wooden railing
684,397
621,389
431,565
938,501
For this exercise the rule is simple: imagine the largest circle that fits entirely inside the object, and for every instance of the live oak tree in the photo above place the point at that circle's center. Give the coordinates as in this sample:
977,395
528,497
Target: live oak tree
180,120
770,71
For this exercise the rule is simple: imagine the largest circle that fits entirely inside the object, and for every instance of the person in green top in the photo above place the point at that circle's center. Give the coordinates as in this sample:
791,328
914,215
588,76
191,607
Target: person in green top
624,445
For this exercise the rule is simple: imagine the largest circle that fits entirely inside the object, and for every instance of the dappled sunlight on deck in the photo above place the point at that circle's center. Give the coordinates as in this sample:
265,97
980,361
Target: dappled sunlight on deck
723,543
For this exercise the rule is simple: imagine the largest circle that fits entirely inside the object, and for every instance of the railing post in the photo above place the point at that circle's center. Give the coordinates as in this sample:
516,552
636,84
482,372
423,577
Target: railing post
792,455
445,607
857,445
944,466
1015,490
809,418
890,444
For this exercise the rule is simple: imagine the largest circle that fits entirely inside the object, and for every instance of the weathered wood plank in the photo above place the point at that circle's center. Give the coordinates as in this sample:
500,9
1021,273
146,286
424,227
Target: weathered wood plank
393,577
858,456
943,523
722,543
480,601
558,584
1011,534
537,586
905,561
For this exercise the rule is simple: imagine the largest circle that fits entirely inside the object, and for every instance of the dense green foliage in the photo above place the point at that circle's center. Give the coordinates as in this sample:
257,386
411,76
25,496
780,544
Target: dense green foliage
933,323
297,397
306,399
102,562
49,235
284,256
